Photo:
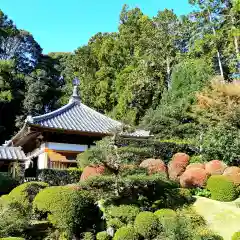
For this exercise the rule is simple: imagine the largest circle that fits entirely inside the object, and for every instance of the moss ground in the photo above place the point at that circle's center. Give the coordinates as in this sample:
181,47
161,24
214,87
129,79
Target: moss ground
222,218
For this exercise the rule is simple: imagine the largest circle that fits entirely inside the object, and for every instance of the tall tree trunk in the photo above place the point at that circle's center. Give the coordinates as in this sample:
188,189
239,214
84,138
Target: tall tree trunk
168,73
218,53
235,38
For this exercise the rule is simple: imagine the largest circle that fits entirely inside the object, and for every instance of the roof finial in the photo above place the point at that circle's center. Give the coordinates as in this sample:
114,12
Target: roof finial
75,95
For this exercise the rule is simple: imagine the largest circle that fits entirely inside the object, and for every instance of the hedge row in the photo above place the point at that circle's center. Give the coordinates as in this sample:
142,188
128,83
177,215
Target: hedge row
58,177
164,149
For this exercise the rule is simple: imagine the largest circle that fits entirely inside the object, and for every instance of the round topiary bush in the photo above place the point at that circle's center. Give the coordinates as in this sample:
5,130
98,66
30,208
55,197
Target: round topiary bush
66,208
221,188
147,225
26,192
177,165
125,213
165,213
233,173
166,216
103,236
115,223
154,166
215,167
193,177
196,165
126,233
91,171
236,236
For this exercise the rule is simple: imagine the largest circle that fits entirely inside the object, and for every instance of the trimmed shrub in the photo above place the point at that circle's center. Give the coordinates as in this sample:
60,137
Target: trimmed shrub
59,177
195,165
91,171
126,233
67,209
115,223
147,225
205,234
233,173
215,167
236,236
193,177
128,189
7,183
221,188
103,236
177,165
25,193
88,236
125,213
154,166
166,216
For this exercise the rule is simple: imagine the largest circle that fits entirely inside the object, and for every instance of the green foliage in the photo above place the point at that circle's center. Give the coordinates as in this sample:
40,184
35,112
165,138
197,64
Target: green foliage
203,192
88,236
225,146
115,223
7,183
147,225
127,233
172,118
165,213
197,159
57,177
125,213
25,193
67,209
236,236
221,188
129,189
103,236
14,220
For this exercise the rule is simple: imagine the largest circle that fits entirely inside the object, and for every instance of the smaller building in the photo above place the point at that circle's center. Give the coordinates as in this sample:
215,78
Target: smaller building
11,158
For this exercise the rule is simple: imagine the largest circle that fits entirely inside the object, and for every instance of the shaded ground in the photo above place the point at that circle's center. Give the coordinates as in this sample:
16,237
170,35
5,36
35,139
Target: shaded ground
222,218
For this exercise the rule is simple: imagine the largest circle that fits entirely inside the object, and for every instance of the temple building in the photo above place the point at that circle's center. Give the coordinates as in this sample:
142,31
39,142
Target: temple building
54,140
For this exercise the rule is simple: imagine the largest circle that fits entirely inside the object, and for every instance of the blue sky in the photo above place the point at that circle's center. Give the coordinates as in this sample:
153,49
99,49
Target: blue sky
65,25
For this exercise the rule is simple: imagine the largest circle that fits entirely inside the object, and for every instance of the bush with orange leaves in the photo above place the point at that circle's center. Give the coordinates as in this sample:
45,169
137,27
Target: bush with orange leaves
91,171
196,165
215,167
153,166
177,165
194,177
233,173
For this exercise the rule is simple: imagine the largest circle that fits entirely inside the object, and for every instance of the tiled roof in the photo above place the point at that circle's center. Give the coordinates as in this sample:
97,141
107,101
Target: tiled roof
76,116
12,153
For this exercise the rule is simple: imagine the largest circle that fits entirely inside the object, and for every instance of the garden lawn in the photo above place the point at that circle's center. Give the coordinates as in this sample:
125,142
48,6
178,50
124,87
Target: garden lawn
221,217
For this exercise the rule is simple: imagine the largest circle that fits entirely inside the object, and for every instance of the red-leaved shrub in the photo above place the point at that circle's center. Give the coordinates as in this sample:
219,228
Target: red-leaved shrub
194,177
154,165
177,165
196,165
231,171
91,171
215,167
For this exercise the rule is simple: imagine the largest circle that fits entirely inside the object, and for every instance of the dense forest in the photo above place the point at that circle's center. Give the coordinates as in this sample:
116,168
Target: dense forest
154,72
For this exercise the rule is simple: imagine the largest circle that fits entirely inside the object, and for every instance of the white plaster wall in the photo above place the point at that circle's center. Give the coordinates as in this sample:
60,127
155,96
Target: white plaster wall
42,158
